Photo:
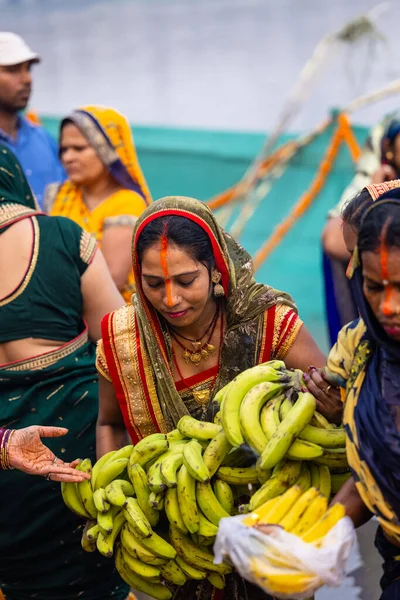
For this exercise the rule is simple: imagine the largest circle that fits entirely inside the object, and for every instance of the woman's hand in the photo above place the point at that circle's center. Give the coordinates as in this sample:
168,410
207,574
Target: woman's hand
384,173
27,453
327,396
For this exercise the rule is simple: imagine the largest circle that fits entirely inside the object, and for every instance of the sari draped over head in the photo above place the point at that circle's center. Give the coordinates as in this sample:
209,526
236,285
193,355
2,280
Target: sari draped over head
135,352
109,133
367,363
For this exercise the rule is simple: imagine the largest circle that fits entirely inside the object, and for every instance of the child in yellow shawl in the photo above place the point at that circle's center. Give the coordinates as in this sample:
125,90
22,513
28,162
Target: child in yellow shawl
106,191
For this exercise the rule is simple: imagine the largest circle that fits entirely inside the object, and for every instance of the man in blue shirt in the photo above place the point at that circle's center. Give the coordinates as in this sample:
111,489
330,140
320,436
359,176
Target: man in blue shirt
35,149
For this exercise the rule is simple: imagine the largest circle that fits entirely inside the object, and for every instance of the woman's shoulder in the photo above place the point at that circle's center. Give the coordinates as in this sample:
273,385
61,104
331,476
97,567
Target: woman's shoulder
119,322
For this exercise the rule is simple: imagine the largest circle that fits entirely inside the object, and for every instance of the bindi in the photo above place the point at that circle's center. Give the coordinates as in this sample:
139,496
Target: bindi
384,258
164,266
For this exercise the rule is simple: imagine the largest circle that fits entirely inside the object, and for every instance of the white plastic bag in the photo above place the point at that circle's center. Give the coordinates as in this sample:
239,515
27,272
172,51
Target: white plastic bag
255,555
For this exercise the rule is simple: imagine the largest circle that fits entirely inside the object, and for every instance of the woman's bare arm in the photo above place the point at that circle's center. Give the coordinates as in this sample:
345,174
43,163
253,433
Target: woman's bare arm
355,507
116,245
111,433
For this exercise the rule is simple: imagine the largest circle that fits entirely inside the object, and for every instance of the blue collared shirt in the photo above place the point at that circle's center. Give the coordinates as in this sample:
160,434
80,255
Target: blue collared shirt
38,154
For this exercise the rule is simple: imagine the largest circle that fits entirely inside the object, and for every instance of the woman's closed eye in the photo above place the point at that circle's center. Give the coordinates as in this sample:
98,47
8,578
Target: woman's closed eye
374,287
158,284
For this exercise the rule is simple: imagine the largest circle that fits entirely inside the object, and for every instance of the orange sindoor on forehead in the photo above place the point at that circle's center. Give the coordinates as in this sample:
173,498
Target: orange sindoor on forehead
384,258
164,266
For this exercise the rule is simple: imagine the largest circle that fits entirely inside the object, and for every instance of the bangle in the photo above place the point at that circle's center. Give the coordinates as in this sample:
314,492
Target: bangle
5,438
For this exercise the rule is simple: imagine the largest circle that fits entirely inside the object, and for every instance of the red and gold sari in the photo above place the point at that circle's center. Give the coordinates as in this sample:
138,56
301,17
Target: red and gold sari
135,351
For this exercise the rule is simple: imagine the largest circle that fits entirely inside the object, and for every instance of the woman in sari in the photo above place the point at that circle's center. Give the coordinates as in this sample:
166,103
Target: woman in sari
105,191
198,320
55,283
365,362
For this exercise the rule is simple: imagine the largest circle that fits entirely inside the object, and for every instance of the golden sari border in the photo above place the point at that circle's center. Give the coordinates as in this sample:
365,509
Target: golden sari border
87,247
32,265
10,212
48,359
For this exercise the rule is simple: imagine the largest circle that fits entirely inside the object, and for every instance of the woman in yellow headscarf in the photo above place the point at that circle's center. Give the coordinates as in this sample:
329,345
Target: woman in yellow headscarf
105,191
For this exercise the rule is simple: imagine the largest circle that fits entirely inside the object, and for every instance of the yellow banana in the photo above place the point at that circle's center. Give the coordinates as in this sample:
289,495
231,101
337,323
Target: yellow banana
224,495
175,436
269,417
118,490
320,421
85,488
173,511
282,506
314,475
156,500
333,458
190,571
154,590
289,582
217,420
325,483
110,471
193,554
173,573
98,466
219,396
105,543
148,449
238,476
158,546
193,460
239,388
144,570
155,479
283,479
170,464
199,430
254,517
72,499
295,421
105,521
123,452
93,531
100,500
216,451
142,490
132,545
302,450
209,504
217,580
88,544
291,519
327,438
325,524
249,413
311,515
137,519
207,529
338,480
187,500
304,480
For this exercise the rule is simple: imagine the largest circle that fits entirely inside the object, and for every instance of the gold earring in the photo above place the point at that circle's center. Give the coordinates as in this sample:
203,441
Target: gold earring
218,289
389,155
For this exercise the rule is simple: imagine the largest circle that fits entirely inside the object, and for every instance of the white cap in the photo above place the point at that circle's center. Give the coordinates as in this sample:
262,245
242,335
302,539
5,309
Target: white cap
14,51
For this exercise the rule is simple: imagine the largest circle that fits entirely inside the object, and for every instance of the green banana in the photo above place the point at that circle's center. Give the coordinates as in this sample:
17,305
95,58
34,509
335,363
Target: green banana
314,475
154,590
327,438
238,476
269,416
249,414
132,545
85,488
148,449
93,532
193,554
338,480
319,420
156,501
110,471
224,495
154,477
193,461
209,504
158,546
100,500
199,430
105,543
302,450
263,474
239,388
219,396
148,572
175,436
118,490
206,541
170,464
88,544
123,452
216,451
217,580
207,529
334,458
105,521
190,571
98,466
142,490
295,421
173,511
325,483
172,572
72,499
187,500
217,420
304,479
282,479
137,519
